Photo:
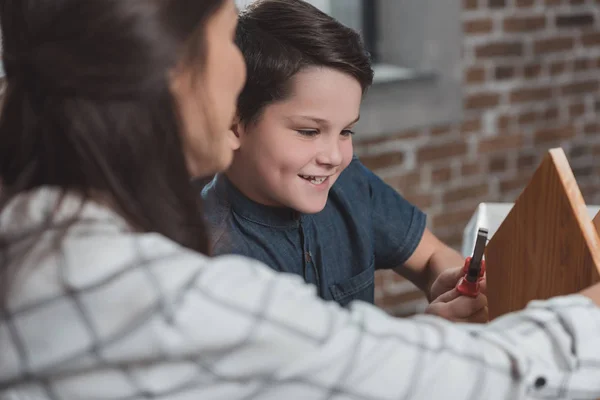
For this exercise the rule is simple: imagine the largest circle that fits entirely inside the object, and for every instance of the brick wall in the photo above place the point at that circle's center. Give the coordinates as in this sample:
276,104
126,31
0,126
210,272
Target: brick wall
531,73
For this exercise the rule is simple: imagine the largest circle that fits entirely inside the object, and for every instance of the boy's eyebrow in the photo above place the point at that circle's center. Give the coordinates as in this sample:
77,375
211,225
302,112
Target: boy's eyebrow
321,121
355,120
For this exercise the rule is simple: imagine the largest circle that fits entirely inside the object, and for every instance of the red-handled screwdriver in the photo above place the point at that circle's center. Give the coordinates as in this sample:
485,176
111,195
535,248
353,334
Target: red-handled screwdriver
474,267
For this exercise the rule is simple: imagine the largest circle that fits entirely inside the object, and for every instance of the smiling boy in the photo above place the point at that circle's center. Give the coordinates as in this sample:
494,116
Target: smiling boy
295,196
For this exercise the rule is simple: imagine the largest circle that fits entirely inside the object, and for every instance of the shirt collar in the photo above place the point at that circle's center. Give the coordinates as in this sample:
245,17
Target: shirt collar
275,217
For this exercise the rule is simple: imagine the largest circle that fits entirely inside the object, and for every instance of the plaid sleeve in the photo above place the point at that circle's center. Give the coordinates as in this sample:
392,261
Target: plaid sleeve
168,323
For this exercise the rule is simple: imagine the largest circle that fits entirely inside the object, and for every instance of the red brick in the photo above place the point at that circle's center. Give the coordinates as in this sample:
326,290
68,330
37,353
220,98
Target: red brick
471,168
497,164
582,171
433,152
503,122
441,174
516,183
504,72
407,180
589,86
500,143
460,218
378,161
591,39
578,151
480,101
552,135
421,200
551,113
553,45
525,24
478,26
532,70
526,161
469,126
591,128
558,67
466,192
574,20
440,131
528,117
589,189
475,75
576,110
409,134
581,64
530,94
470,4
499,49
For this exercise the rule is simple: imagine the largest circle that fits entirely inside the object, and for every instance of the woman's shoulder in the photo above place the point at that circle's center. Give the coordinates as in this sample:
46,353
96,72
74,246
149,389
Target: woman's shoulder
98,288
85,247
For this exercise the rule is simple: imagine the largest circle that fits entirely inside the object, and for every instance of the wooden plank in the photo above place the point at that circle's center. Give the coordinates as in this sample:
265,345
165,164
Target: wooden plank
546,246
596,222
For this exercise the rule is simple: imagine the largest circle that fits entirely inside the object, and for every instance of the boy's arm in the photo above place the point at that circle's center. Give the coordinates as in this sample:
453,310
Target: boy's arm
428,261
402,241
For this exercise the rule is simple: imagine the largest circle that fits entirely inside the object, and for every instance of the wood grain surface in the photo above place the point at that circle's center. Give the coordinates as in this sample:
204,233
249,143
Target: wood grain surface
596,222
546,246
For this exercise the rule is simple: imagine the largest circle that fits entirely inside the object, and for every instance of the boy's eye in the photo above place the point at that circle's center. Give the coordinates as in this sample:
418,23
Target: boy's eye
347,132
308,132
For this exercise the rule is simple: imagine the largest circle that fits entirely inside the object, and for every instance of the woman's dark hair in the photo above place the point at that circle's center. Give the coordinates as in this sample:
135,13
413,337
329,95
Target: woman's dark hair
87,106
278,38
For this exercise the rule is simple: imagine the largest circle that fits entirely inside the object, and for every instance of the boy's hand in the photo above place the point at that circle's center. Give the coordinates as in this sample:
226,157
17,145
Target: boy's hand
447,280
448,303
458,308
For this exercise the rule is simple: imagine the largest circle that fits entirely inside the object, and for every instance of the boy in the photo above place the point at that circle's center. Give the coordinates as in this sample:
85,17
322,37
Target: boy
295,197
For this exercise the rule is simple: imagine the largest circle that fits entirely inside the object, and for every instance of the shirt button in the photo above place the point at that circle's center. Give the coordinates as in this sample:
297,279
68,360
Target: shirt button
307,256
540,382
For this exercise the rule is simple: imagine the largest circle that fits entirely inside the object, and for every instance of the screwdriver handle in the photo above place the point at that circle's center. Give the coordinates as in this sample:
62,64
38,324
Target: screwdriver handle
466,287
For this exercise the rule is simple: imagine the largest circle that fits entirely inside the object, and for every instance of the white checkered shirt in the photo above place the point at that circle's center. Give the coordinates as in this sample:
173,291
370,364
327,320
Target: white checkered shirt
101,312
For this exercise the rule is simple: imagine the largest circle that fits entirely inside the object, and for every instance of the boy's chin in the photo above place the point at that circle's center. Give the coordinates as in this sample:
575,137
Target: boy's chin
309,207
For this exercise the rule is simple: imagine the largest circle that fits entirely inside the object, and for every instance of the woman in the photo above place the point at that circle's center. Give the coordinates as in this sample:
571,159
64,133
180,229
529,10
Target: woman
111,107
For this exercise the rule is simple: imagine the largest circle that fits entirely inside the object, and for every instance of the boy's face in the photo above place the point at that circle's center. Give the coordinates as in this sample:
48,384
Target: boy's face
295,152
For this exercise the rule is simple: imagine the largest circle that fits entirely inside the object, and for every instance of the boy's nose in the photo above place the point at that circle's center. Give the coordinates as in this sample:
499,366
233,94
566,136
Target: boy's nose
330,154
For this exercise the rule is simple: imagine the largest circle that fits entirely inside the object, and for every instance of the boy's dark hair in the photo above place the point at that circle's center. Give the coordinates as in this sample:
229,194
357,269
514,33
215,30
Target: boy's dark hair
278,38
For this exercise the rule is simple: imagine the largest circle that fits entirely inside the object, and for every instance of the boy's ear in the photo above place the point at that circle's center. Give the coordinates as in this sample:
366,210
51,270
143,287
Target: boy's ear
234,134
236,127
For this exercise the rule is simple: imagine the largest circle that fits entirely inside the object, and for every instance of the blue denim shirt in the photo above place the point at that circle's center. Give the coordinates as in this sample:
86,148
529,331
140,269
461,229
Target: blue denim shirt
365,225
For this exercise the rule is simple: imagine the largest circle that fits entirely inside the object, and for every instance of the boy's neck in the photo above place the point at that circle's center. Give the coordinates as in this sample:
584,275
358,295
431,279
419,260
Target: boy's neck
252,204
239,177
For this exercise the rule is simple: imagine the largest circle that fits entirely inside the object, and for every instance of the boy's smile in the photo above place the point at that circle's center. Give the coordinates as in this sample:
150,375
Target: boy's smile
293,154
319,182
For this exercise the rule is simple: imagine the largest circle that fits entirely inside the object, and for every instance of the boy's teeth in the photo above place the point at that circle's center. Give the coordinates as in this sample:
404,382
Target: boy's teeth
314,180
